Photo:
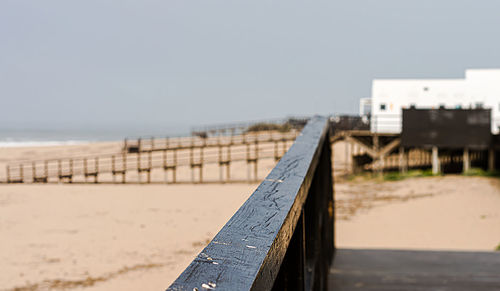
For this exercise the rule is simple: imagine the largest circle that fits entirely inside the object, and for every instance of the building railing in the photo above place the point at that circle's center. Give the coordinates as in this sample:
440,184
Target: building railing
282,237
386,123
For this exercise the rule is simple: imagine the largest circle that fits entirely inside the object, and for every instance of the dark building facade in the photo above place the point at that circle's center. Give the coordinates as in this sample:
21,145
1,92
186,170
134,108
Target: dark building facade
447,128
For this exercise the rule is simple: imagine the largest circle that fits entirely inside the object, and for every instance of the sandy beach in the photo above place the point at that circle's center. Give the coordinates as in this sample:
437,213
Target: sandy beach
438,213
107,237
140,237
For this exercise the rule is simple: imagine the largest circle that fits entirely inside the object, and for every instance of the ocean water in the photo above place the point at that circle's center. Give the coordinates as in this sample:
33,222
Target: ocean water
19,137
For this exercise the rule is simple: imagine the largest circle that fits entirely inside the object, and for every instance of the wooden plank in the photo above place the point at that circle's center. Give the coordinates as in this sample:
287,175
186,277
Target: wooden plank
247,253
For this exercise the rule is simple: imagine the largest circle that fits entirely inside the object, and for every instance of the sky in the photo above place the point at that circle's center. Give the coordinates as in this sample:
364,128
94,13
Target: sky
168,64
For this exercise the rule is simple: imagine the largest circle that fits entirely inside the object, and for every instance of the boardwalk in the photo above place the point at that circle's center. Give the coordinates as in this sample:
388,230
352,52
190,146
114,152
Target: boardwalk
174,160
380,270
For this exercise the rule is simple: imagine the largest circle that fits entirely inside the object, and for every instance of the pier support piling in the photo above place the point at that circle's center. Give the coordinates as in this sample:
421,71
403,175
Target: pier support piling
436,167
491,159
403,160
466,160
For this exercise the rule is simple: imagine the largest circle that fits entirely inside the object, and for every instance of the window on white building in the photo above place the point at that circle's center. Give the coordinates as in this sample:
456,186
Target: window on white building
382,107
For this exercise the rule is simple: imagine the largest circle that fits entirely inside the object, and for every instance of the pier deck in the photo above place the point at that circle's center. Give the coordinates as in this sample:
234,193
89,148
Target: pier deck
376,270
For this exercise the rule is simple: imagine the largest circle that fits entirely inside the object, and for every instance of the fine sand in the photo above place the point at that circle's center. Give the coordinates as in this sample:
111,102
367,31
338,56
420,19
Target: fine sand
140,237
107,237
451,212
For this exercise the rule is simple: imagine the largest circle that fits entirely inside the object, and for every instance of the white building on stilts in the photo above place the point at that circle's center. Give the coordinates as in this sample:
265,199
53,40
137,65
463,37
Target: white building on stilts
479,89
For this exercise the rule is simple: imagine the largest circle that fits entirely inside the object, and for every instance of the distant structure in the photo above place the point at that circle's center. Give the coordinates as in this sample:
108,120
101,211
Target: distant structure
480,89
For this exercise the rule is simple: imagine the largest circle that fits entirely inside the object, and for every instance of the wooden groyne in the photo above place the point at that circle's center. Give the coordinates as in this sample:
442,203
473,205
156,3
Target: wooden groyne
168,160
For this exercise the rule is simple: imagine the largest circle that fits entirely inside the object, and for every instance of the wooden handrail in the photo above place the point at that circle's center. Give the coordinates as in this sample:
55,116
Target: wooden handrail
282,236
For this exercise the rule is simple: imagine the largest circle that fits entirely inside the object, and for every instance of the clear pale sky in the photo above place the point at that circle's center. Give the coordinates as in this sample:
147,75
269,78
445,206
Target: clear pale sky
122,63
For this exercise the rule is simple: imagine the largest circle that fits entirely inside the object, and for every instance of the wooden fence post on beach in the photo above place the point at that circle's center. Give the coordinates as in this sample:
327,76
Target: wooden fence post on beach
46,172
201,159
256,176
150,165
174,174
219,148
59,169
96,167
228,164
21,173
165,168
249,179
224,162
71,171
139,166
113,168
85,172
284,146
191,161
276,155
124,167
33,172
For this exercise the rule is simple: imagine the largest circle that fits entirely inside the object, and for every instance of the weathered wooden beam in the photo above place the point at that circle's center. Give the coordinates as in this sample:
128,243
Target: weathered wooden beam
370,151
250,250
389,147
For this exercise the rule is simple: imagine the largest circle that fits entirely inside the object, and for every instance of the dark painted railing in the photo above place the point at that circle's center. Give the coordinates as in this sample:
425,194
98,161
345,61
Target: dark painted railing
282,236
